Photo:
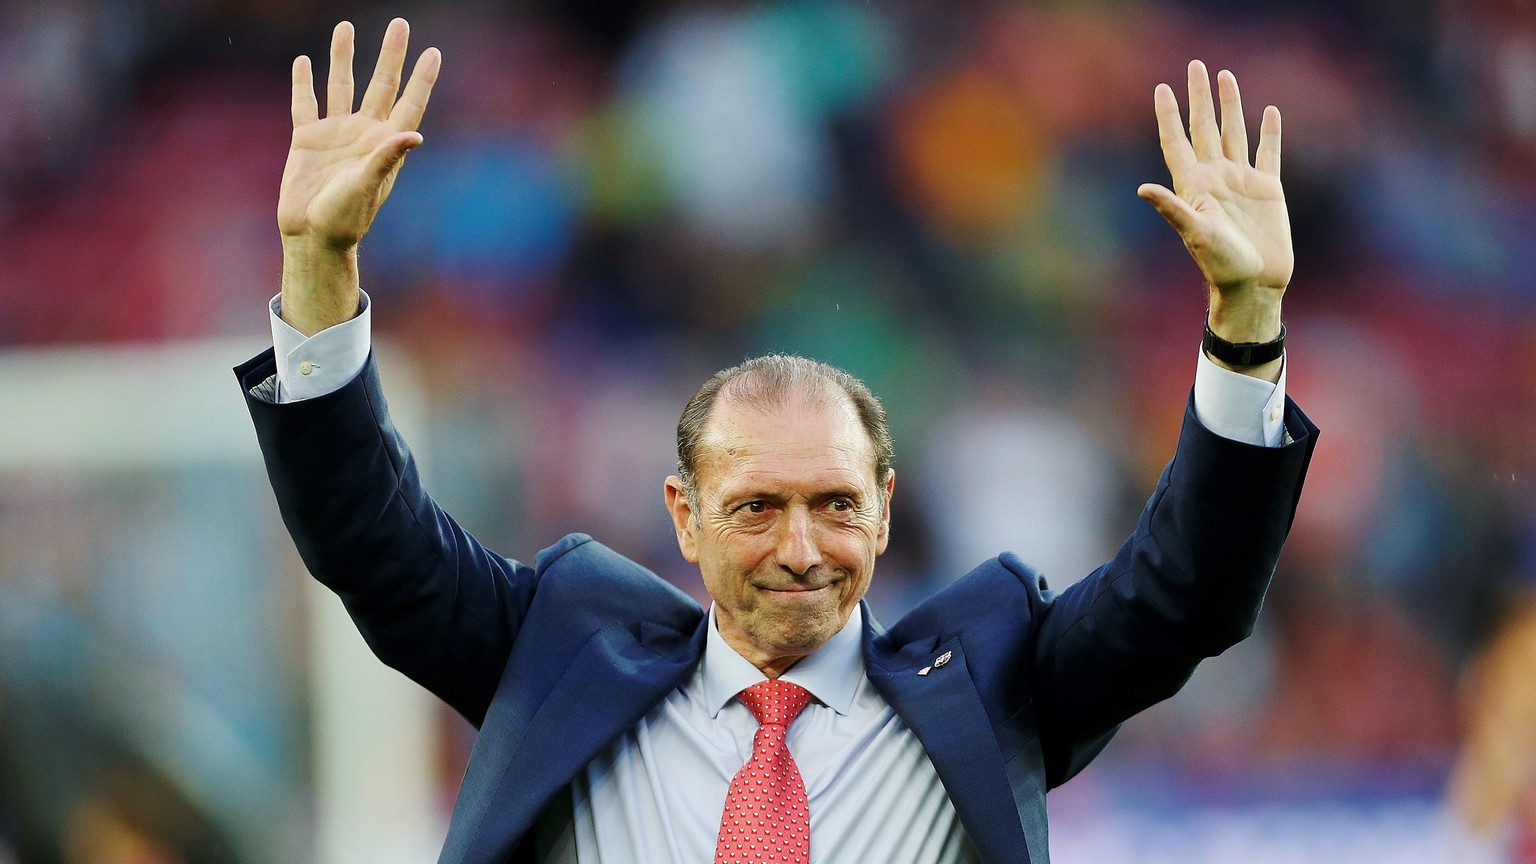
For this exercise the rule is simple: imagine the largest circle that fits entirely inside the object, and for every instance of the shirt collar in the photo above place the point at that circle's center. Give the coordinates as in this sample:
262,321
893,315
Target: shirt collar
831,673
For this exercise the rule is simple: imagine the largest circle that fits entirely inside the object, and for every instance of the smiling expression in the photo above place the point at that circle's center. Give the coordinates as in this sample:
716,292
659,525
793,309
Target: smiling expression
788,525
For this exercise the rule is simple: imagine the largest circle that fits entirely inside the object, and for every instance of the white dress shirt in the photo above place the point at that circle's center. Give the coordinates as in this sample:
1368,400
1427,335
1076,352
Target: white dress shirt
656,793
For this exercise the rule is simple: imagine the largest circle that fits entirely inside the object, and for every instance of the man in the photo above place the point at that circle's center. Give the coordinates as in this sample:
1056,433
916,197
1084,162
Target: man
620,722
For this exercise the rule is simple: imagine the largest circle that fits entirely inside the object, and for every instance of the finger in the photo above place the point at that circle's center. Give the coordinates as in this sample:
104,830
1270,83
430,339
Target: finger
380,96
386,158
1203,134
305,109
338,96
1268,159
1171,207
1177,153
1234,129
408,111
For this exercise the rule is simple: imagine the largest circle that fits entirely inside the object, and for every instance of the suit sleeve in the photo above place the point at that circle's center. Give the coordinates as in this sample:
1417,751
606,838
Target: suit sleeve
1187,585
426,596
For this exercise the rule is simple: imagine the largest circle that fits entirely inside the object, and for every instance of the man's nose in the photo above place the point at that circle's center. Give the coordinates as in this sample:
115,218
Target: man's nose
798,551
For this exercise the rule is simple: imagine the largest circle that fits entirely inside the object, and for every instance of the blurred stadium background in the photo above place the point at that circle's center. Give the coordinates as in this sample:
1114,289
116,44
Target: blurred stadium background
615,199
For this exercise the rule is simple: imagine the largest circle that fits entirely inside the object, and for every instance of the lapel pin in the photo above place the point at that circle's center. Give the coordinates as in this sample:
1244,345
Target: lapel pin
943,658
925,670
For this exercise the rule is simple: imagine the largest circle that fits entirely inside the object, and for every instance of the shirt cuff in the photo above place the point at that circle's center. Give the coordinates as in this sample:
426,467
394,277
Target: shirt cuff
1240,407
322,363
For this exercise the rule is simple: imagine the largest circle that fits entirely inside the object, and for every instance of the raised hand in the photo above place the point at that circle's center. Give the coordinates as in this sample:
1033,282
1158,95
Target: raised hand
340,169
1229,212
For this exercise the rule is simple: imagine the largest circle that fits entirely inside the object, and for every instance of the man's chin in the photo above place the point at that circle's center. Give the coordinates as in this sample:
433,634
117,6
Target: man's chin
813,627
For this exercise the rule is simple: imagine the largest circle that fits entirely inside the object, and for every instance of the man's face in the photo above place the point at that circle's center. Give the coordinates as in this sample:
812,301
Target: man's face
789,523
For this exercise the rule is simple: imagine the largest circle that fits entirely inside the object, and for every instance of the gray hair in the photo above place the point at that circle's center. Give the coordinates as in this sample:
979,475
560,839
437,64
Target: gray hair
768,382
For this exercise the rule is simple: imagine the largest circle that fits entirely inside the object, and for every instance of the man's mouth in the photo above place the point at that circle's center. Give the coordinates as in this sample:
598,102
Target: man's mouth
796,589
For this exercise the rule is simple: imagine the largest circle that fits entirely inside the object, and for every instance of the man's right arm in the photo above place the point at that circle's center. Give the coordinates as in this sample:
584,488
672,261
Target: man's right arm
427,597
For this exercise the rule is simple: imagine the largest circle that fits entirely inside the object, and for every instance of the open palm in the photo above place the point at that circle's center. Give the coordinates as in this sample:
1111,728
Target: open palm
1229,212
341,167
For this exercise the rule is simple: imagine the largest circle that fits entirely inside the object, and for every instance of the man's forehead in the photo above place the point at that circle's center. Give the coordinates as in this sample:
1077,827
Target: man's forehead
805,415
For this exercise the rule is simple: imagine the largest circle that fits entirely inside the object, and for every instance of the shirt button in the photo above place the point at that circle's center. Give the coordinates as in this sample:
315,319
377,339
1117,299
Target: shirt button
306,367
1274,413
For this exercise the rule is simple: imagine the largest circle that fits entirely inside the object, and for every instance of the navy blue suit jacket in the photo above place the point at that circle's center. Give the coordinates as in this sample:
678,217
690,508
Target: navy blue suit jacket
552,662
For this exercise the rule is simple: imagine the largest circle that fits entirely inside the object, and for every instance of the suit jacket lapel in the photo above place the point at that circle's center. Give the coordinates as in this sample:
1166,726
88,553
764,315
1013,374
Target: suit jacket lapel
613,680
944,710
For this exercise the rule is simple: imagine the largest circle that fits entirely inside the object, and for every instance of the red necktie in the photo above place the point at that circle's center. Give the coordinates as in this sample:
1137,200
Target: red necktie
766,818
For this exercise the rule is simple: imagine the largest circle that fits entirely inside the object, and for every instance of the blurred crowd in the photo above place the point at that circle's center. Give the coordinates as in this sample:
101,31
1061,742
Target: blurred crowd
614,200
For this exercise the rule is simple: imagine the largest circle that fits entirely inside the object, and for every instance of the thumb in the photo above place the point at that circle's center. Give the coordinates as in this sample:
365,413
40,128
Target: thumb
386,158
1171,207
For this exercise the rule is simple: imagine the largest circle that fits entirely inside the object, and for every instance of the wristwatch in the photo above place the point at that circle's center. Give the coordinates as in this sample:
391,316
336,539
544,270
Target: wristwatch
1241,353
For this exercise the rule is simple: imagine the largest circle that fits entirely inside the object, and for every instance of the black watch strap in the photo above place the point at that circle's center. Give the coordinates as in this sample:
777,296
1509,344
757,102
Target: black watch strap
1242,353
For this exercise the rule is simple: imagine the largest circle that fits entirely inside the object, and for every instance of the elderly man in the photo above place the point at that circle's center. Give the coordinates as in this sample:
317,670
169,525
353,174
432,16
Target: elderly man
621,723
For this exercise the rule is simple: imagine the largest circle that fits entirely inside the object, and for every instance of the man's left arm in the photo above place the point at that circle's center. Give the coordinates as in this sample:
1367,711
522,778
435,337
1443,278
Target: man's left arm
1190,580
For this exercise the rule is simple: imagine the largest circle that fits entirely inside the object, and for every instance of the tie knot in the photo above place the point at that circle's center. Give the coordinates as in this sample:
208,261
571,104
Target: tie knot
776,702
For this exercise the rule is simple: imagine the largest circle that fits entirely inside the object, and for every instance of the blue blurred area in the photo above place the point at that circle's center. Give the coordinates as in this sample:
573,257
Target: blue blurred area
612,202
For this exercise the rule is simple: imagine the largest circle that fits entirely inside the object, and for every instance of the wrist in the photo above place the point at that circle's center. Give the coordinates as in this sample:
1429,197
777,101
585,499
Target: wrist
1250,314
320,285
1257,358
307,247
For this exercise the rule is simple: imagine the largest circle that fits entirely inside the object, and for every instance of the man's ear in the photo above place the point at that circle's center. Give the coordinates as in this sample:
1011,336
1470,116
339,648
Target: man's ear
883,538
681,510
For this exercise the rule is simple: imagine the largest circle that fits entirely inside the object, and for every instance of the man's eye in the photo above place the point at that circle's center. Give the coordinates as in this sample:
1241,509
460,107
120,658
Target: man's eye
756,507
841,505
